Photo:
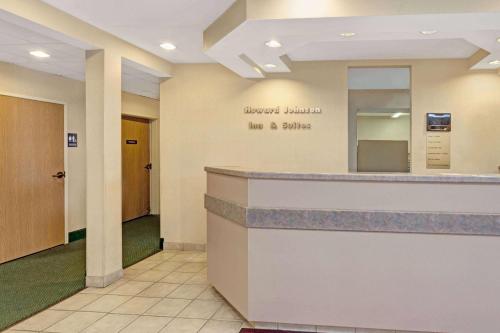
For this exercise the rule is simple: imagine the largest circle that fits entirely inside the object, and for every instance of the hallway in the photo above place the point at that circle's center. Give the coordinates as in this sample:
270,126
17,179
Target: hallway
33,283
167,292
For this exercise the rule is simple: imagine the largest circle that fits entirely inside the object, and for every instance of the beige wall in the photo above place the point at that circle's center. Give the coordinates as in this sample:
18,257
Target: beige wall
29,83
204,124
140,106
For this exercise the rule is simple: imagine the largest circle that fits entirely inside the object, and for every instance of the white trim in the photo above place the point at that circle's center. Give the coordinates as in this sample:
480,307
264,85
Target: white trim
66,192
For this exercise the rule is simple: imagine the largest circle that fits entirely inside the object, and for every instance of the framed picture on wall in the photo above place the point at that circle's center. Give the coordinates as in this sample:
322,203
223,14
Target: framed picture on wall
439,122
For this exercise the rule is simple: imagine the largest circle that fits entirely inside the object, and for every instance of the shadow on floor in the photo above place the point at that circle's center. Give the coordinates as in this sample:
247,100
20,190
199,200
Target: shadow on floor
36,282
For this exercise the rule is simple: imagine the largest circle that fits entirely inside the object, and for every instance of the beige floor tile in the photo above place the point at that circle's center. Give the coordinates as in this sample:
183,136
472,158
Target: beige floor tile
188,291
76,322
191,267
151,276
210,294
154,258
42,320
147,324
159,289
163,255
218,326
226,312
177,277
136,305
370,330
197,258
168,266
131,288
199,278
130,273
200,309
76,302
183,325
169,307
183,257
106,303
141,265
111,323
106,290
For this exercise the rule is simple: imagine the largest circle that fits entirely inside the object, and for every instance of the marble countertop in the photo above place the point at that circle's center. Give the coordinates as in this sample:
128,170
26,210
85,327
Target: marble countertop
364,177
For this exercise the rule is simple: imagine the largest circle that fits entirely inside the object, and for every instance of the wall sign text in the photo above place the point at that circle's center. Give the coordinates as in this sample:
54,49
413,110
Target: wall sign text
278,110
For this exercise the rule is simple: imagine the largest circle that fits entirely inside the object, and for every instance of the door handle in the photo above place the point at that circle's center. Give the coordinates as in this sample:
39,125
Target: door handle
148,166
60,174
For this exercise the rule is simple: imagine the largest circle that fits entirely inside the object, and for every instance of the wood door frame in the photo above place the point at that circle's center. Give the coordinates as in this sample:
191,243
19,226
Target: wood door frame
66,193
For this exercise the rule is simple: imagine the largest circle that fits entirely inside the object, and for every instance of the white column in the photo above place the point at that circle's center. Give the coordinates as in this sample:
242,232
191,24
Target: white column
104,180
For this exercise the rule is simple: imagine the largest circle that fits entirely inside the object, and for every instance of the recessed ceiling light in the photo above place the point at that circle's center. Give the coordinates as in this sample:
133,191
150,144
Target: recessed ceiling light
40,54
347,34
270,65
498,39
428,32
168,46
495,62
273,43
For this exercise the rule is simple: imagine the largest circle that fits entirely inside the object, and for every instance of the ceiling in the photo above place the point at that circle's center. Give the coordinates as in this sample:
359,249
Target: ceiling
306,32
66,60
376,37
385,49
149,23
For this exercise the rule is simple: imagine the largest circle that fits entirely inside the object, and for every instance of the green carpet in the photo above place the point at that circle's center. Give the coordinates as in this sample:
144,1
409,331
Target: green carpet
33,283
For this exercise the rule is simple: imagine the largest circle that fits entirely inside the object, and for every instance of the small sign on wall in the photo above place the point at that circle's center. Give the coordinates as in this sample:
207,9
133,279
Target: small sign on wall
438,150
439,122
72,140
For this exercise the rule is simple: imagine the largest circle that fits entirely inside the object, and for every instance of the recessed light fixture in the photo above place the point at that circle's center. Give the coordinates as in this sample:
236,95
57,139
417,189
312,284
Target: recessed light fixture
257,69
270,65
273,43
168,46
347,34
396,115
495,62
498,39
428,32
40,54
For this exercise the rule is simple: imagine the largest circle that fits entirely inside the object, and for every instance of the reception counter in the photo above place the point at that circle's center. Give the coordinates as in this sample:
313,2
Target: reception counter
399,252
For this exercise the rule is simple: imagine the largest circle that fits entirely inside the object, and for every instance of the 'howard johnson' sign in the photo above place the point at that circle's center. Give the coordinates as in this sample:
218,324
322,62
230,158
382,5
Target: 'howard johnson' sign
288,110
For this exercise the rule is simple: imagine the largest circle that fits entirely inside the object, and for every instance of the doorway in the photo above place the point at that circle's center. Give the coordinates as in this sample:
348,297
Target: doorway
136,168
379,119
32,175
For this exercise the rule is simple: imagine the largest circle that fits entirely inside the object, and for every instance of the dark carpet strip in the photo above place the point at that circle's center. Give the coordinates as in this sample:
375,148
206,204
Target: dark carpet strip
31,284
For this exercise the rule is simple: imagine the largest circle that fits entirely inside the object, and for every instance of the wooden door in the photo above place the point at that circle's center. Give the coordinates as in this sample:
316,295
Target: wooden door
31,200
135,168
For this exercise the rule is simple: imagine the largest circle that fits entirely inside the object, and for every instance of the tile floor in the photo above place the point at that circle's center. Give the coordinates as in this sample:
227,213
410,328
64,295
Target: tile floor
167,292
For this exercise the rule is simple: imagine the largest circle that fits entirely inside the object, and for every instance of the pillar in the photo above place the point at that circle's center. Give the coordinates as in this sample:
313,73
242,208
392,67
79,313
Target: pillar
104,180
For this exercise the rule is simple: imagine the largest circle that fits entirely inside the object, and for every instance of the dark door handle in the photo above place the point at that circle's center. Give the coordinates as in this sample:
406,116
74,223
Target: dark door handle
148,166
60,174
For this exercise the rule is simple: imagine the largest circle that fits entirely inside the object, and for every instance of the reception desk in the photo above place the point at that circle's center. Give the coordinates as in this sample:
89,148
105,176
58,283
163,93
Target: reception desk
398,252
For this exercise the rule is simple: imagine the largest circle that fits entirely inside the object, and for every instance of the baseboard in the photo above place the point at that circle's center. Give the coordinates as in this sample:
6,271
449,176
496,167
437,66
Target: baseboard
185,246
103,281
77,235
